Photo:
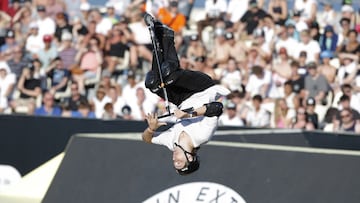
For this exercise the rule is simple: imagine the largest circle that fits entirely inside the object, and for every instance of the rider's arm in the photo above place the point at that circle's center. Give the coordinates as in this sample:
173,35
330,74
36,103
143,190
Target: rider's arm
153,125
209,110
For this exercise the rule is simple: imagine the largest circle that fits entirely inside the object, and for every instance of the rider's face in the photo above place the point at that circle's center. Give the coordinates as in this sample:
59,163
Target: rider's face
179,158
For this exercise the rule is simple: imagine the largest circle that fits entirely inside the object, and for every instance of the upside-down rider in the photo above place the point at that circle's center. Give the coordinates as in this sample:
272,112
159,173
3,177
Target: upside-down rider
186,89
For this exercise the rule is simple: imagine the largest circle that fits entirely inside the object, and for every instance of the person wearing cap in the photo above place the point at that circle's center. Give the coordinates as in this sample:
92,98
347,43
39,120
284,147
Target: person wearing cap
187,90
297,80
236,49
291,30
18,62
46,24
250,20
10,41
196,47
7,84
66,50
111,14
229,117
316,85
311,115
171,16
34,42
48,53
310,46
328,70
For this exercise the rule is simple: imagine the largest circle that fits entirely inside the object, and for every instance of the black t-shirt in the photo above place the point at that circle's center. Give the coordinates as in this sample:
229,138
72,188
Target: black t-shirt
73,105
354,51
60,30
252,19
313,118
57,75
118,49
30,84
298,85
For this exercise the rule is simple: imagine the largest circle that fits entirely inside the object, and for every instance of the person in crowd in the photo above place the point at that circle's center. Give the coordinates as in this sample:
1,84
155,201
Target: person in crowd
91,34
311,115
66,50
301,121
142,106
171,17
316,85
278,9
250,20
344,30
231,76
110,13
84,111
34,42
48,53
117,100
48,108
9,45
315,31
291,98
236,9
195,48
29,88
258,116
242,108
59,76
200,64
53,7
328,70
283,115
345,102
281,72
297,80
7,84
109,113
329,41
307,9
73,102
18,62
353,45
230,117
347,122
46,24
23,18
259,82
285,41
348,70
103,25
310,46
236,49
349,90
99,102
328,16
62,26
214,11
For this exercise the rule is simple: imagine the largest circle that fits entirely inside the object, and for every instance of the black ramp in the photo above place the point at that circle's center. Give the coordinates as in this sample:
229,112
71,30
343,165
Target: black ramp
110,170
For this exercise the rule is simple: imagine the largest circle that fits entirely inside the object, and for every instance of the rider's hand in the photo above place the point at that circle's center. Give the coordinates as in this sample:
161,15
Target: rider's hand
153,122
180,114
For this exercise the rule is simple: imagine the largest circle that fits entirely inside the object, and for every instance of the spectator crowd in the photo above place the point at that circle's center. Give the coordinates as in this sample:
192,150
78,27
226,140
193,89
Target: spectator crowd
287,67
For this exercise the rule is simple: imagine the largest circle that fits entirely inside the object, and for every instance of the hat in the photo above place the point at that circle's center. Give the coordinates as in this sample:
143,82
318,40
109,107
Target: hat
4,66
297,13
126,110
40,8
33,25
259,33
303,54
109,5
347,8
84,6
229,35
66,36
231,105
311,65
290,23
194,37
310,101
173,4
47,38
10,33
131,74
314,25
328,28
326,54
253,3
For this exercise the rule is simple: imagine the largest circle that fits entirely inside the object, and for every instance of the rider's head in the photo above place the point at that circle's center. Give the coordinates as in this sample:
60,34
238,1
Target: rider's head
185,162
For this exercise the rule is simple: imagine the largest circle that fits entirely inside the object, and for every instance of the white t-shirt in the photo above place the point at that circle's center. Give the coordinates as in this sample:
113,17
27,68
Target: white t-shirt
225,120
99,106
258,119
304,7
147,106
141,33
34,44
310,48
254,84
200,130
104,26
237,9
289,44
46,26
232,80
215,9
345,71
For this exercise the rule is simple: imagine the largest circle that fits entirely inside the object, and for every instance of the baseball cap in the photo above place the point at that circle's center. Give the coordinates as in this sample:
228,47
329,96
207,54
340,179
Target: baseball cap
253,3
47,38
311,65
10,33
290,23
131,74
33,25
326,54
347,8
84,6
229,35
297,13
328,28
40,8
310,101
194,37
231,105
66,36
